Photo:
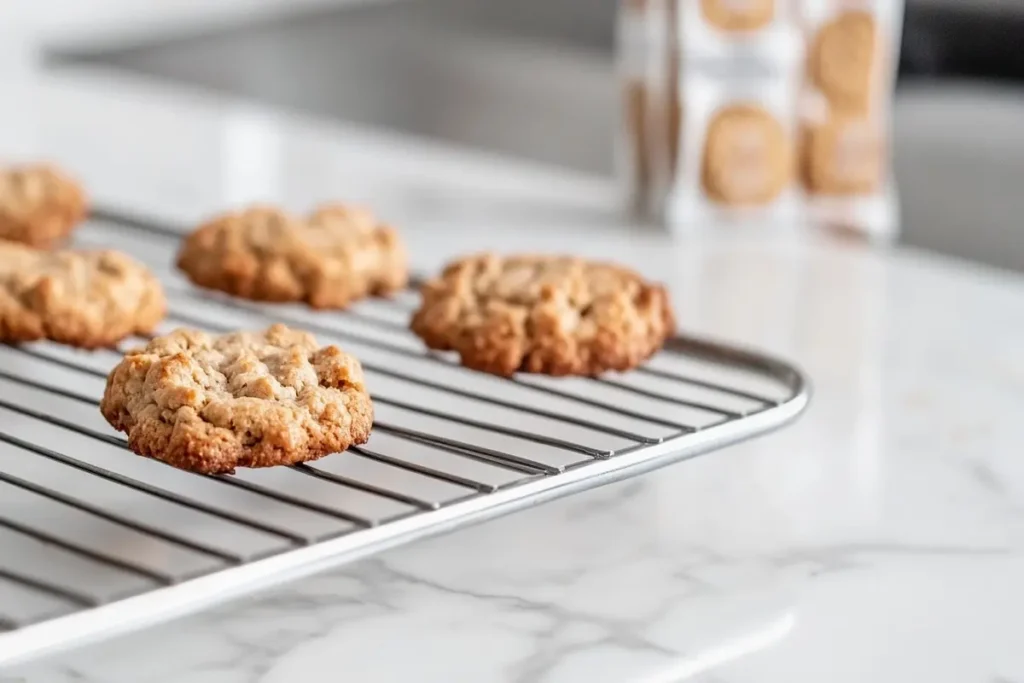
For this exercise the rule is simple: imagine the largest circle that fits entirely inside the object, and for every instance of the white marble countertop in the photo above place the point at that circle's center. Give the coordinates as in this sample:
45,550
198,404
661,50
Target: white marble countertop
881,538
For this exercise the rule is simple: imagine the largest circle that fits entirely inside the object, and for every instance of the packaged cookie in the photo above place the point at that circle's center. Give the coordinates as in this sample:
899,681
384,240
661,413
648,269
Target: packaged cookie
738,161
845,115
738,87
763,110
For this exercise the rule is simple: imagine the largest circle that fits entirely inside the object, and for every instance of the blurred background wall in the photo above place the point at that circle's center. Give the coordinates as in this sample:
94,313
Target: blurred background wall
534,79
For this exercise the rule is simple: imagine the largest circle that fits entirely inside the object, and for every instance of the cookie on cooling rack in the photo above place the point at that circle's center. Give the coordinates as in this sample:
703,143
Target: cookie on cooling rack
248,399
88,299
329,259
556,315
39,205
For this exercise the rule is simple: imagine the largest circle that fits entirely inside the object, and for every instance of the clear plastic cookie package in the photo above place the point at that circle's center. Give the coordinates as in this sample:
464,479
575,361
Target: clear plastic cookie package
760,111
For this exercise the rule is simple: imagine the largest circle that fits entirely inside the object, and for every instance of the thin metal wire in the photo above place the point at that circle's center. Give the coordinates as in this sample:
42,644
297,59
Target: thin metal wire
568,419
133,221
588,424
46,387
87,553
704,384
506,458
386,324
698,405
292,500
418,355
155,491
61,362
367,488
425,471
68,595
497,429
139,527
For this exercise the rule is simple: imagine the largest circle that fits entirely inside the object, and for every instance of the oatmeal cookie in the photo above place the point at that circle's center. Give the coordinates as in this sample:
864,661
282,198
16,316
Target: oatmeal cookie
844,60
39,205
248,399
330,259
738,15
88,299
556,315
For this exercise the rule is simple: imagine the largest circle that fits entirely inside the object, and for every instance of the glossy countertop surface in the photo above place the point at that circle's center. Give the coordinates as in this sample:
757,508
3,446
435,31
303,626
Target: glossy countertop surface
880,538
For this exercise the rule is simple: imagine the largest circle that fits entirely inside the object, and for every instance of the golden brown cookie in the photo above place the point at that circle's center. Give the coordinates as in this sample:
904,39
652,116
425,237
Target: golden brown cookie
844,60
39,205
844,156
544,314
738,15
88,299
329,260
248,399
747,156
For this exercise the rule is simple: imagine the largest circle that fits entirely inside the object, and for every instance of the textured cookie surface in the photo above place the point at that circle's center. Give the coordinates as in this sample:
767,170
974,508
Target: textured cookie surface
213,403
328,260
39,205
83,298
844,60
543,314
738,15
747,156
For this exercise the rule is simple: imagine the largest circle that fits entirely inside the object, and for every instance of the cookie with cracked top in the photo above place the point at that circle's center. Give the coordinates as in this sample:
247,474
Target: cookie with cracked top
39,205
555,315
330,259
88,299
212,403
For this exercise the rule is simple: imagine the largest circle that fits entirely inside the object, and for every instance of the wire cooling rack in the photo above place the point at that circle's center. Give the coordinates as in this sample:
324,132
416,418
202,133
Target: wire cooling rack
95,540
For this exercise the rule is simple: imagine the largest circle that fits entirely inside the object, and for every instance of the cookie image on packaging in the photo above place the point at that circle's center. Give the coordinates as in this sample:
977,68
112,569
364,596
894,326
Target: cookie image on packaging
39,205
844,156
330,259
212,403
844,60
738,15
556,315
747,156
